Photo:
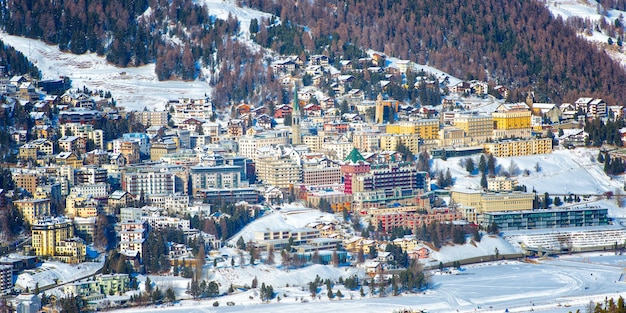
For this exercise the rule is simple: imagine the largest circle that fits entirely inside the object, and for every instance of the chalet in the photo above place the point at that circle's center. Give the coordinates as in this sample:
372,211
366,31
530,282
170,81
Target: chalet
68,158
265,121
156,130
282,111
594,108
317,80
346,65
236,128
319,59
372,268
503,91
375,69
283,66
258,111
120,199
379,59
243,108
17,80
27,91
314,70
419,253
312,109
462,87
478,87
19,136
117,159
191,124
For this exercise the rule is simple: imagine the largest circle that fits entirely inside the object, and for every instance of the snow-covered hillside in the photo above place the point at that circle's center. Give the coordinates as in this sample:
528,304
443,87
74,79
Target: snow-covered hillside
133,87
563,171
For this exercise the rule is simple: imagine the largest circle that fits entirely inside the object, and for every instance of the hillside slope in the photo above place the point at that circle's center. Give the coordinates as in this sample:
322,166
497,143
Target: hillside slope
517,43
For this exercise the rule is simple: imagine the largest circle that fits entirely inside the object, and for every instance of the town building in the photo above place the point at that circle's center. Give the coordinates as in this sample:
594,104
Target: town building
427,129
584,216
218,177
33,209
518,147
54,237
511,120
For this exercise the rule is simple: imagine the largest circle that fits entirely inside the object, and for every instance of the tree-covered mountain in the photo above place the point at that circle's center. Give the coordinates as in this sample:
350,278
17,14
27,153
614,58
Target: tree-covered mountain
178,36
15,63
511,42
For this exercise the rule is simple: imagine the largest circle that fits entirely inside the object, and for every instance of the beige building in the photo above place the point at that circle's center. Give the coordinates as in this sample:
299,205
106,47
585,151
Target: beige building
452,136
130,151
390,142
313,142
278,171
249,144
519,147
477,128
323,173
498,184
151,118
477,202
366,141
28,181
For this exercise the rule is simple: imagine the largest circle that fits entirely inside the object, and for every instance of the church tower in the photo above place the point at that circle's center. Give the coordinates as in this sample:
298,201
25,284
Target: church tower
296,137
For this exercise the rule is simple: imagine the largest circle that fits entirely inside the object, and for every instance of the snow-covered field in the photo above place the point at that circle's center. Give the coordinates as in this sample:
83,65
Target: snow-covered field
557,285
562,172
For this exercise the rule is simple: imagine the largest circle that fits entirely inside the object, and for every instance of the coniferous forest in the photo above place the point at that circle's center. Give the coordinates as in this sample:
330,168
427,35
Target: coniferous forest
515,43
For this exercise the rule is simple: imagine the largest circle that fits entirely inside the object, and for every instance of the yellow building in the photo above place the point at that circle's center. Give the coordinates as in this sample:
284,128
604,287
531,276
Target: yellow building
33,209
476,202
427,129
159,149
512,120
389,142
54,237
476,127
28,151
519,147
68,158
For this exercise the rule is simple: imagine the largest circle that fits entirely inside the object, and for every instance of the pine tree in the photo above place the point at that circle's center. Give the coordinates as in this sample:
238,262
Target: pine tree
482,164
469,166
483,181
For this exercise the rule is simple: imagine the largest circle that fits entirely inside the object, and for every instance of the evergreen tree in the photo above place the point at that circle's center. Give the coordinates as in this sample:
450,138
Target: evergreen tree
483,181
482,164
469,165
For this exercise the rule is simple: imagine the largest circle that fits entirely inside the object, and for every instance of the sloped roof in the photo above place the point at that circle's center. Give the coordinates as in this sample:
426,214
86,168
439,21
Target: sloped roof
354,156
